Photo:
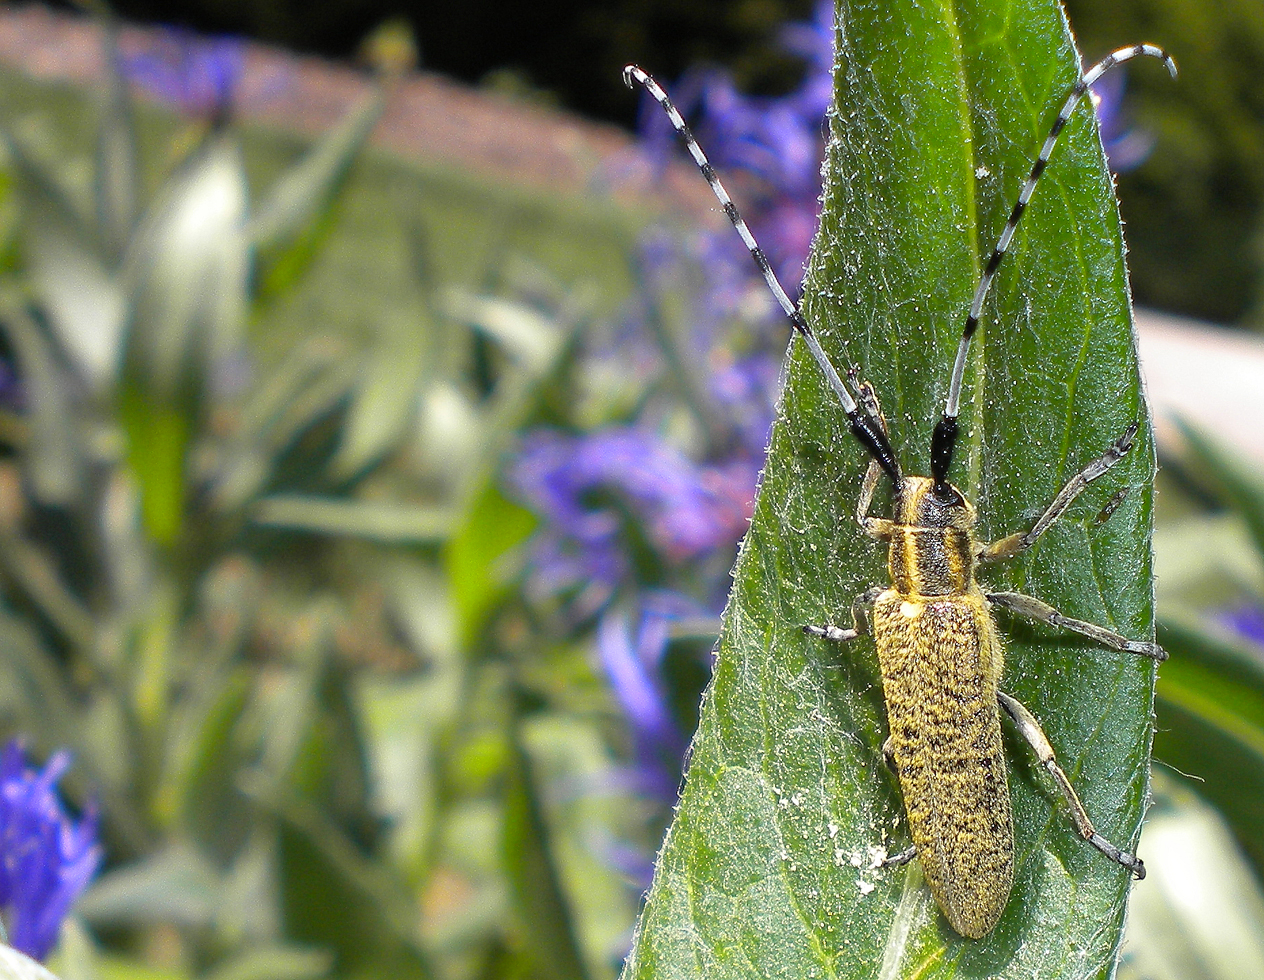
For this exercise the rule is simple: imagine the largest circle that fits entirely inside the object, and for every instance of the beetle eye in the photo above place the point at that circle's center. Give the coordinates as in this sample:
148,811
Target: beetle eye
946,495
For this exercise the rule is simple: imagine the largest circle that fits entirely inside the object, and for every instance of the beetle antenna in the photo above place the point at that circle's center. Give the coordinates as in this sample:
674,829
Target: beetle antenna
945,438
864,426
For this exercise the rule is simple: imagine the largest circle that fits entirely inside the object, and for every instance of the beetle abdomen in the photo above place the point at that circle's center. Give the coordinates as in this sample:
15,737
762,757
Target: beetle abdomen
941,663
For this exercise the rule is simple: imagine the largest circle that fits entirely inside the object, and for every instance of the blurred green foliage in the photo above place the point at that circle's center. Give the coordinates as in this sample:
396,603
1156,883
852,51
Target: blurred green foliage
1196,210
252,548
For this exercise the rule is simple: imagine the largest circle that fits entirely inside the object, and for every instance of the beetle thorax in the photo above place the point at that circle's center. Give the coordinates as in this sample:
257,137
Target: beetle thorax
932,540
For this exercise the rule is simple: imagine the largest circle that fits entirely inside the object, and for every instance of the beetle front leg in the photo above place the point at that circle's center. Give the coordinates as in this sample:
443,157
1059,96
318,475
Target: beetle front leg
875,527
859,621
1030,729
1032,608
1016,544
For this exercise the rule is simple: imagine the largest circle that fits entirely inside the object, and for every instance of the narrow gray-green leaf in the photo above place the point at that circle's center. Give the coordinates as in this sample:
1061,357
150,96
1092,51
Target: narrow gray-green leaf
385,400
310,184
79,290
115,174
187,268
387,522
767,868
53,454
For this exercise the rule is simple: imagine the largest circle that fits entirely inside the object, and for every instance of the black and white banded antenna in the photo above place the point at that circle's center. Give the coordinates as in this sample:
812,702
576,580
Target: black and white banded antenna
864,426
944,440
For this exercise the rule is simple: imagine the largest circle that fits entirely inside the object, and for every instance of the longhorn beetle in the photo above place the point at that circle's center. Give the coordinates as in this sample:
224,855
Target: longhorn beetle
938,646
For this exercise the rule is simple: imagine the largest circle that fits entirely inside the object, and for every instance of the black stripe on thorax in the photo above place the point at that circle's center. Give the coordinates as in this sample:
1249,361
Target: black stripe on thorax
931,561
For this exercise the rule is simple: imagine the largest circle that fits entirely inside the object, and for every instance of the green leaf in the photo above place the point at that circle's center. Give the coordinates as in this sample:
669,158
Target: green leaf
196,787
766,870
188,268
81,295
158,442
115,172
1241,484
53,453
385,399
312,183
1214,930
78,288
531,867
333,897
1211,722
284,408
476,557
387,522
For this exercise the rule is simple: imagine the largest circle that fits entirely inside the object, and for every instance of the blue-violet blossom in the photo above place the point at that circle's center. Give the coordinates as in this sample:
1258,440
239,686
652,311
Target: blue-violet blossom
46,858
686,509
1247,621
1126,146
198,75
777,141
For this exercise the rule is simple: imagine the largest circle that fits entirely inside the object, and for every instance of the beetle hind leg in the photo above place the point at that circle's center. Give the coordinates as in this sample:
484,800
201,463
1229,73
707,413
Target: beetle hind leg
895,860
1030,729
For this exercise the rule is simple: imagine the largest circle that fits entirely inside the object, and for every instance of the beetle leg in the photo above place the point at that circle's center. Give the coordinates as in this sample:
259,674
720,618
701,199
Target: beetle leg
859,621
1030,729
1016,544
888,753
873,526
1025,605
904,857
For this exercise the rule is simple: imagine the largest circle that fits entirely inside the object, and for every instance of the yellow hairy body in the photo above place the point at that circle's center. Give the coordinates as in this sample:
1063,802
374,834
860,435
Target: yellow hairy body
941,663
941,660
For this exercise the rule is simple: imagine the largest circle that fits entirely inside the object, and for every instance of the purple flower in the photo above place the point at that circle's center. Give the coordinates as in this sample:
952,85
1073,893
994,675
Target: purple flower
776,141
585,486
46,858
814,42
1247,621
199,75
1126,147
633,667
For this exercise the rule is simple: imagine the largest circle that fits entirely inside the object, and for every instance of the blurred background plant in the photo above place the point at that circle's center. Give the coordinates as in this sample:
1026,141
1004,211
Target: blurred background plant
1196,212
364,527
